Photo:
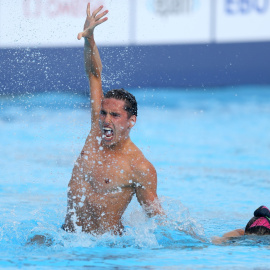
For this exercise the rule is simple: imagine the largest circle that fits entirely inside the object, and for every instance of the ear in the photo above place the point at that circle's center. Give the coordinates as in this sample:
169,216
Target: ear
132,121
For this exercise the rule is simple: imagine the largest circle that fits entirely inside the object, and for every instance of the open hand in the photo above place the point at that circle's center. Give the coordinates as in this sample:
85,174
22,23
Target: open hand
92,21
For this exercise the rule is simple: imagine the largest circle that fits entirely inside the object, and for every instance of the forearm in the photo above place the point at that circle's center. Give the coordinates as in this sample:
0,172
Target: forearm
154,209
92,61
150,203
226,236
93,68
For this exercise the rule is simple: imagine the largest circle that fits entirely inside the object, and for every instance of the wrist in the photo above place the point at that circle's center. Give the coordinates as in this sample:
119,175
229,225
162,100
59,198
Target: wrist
89,41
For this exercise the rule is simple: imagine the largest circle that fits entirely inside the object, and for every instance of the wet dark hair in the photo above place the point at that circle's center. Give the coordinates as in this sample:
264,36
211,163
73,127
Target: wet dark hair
258,230
130,100
262,213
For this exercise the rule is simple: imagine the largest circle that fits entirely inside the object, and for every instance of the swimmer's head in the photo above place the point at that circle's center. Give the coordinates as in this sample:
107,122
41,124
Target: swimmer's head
130,100
260,223
117,116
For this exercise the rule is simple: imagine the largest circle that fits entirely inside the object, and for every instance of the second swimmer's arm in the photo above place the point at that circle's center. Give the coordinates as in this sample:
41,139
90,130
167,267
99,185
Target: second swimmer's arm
234,233
227,236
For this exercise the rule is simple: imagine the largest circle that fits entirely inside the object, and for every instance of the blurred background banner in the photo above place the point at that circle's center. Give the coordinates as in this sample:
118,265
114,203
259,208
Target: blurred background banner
242,20
56,23
172,22
152,43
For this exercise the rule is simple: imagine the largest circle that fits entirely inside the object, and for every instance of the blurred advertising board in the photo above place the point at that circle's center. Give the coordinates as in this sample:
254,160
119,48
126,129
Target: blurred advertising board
242,20
55,23
172,21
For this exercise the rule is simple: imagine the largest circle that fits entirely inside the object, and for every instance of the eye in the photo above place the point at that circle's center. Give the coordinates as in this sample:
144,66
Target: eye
102,112
115,114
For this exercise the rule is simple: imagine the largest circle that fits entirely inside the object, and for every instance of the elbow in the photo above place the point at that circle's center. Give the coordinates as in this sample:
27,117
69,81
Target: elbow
96,72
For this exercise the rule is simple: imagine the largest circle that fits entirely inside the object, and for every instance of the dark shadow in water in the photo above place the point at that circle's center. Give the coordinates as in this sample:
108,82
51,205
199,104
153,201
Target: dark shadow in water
46,240
248,240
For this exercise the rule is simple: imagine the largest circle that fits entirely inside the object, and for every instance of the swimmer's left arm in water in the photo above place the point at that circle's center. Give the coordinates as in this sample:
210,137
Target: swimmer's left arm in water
146,190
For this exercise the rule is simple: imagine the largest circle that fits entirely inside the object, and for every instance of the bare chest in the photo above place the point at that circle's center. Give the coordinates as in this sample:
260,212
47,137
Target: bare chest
108,173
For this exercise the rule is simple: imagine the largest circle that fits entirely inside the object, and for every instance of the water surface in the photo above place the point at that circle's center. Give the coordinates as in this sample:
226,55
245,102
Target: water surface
211,149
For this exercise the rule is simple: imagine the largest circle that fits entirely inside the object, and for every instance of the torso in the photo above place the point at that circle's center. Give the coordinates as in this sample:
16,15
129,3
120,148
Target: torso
102,186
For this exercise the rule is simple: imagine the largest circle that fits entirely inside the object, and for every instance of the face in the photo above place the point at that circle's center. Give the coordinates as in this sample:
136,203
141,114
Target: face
114,122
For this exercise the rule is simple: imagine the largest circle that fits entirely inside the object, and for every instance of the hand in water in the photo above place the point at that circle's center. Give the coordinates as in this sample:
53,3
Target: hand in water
189,228
92,21
218,240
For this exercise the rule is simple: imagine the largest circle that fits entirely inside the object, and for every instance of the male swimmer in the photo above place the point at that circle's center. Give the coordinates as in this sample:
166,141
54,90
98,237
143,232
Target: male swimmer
258,225
110,168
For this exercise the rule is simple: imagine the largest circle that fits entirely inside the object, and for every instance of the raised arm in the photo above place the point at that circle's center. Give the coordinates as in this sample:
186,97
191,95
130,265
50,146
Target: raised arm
93,65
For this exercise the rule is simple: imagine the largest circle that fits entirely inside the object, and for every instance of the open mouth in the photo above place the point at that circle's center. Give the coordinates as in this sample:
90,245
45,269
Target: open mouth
108,133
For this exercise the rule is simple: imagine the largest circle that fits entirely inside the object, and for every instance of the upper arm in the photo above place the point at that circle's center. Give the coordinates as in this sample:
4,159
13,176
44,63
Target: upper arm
146,188
234,233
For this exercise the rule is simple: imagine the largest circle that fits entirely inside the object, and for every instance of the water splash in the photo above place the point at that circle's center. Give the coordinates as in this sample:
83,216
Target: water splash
176,229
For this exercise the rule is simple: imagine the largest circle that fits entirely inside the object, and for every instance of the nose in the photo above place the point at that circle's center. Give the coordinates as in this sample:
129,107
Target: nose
107,118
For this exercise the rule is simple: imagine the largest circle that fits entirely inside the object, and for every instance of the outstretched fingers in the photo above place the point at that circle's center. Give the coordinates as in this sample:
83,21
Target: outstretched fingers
95,12
101,21
92,21
99,16
88,14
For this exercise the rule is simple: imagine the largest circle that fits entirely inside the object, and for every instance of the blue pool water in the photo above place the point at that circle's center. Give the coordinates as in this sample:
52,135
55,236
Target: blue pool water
211,149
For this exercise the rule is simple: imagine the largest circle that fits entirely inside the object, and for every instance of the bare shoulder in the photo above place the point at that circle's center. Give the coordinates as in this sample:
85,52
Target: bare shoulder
143,168
81,165
140,162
